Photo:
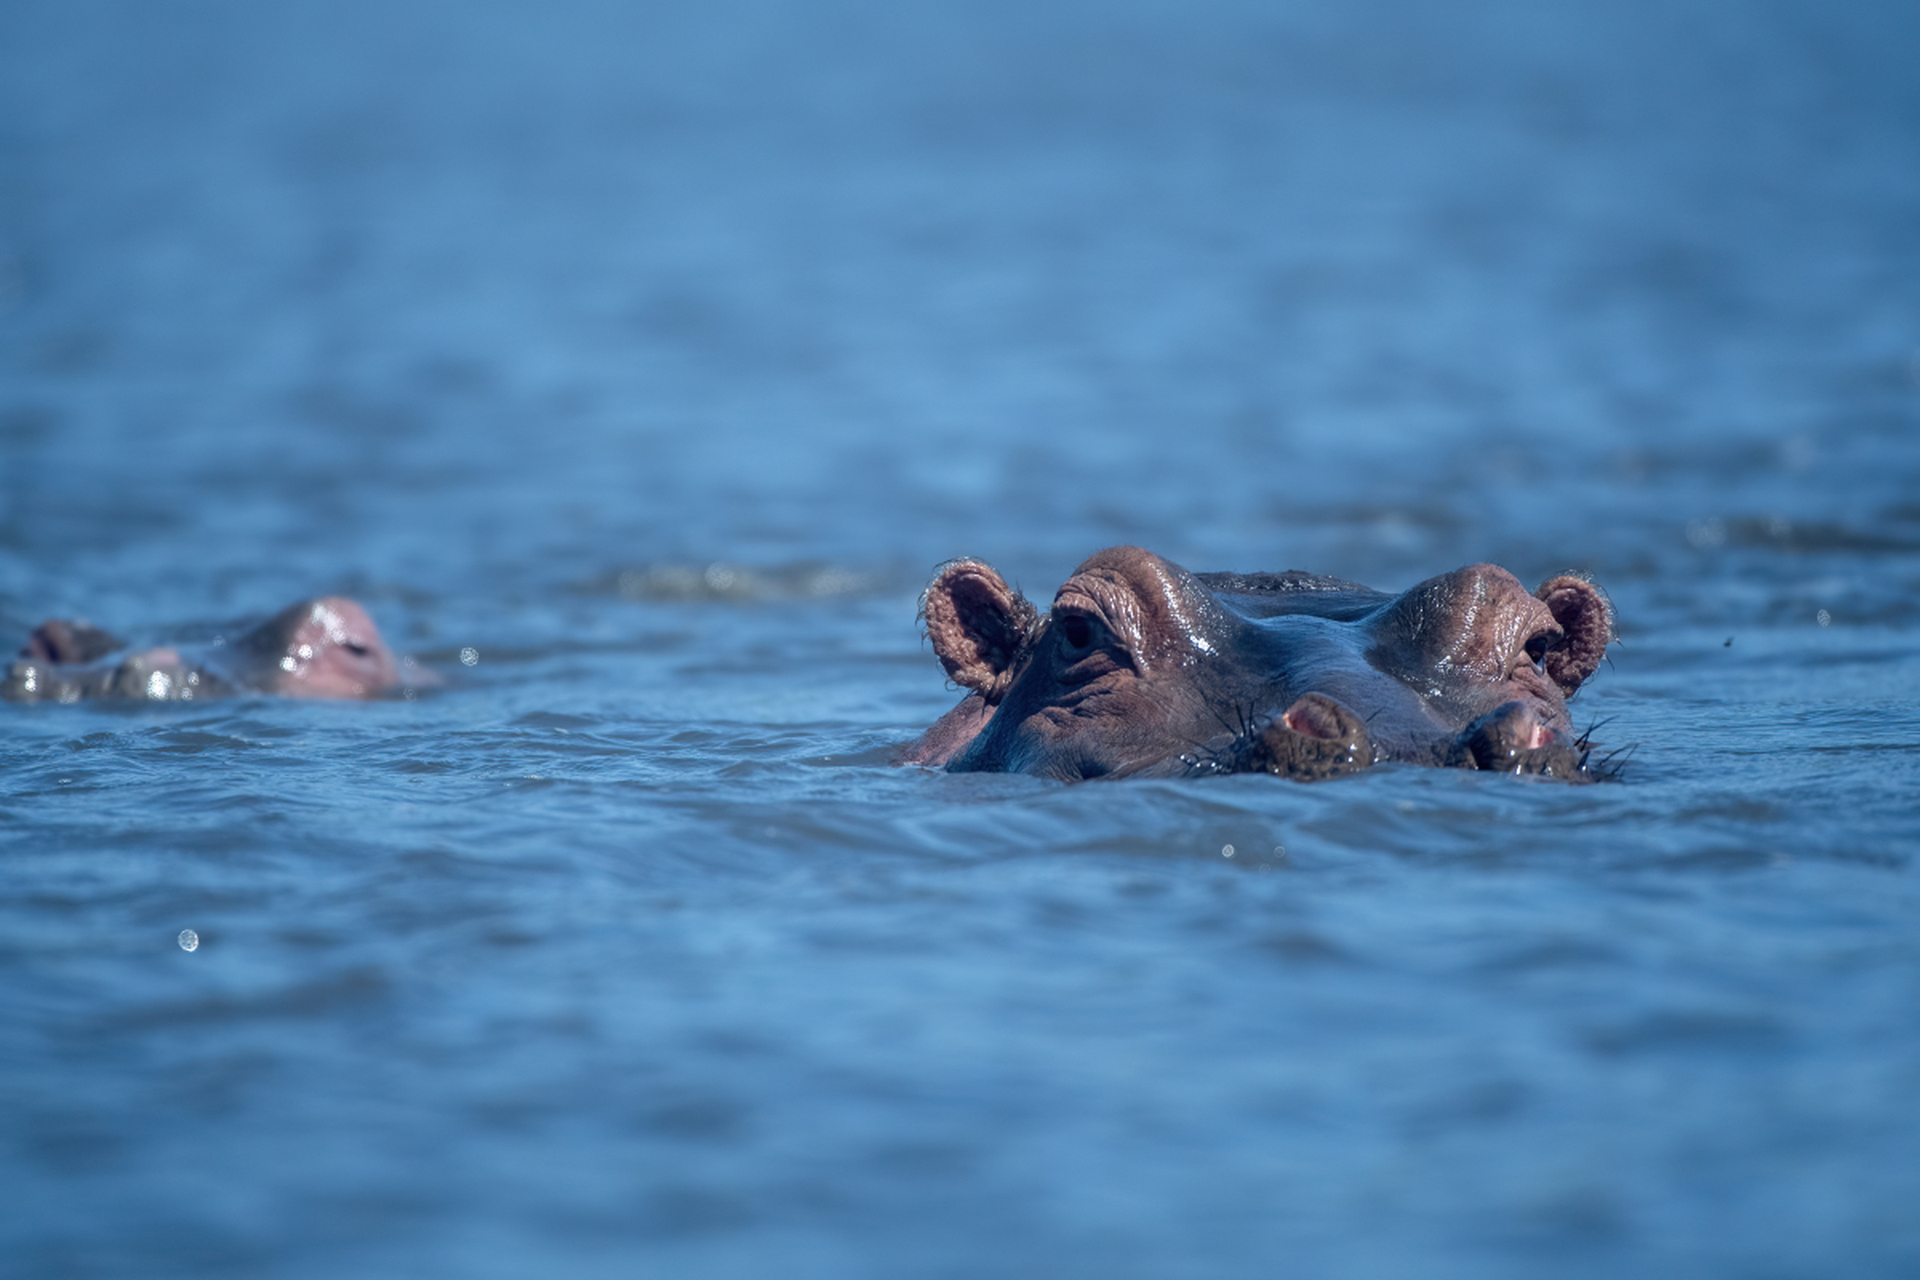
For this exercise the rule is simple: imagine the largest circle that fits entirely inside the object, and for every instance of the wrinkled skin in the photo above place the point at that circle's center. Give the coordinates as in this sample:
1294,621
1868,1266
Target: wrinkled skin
1142,668
327,648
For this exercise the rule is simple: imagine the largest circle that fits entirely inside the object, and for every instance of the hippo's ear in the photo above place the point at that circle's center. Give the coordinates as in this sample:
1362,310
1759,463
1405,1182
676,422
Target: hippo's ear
978,625
1584,613
58,640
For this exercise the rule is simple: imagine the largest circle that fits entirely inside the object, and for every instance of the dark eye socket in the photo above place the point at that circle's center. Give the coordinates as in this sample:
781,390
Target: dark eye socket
1077,631
1538,646
355,648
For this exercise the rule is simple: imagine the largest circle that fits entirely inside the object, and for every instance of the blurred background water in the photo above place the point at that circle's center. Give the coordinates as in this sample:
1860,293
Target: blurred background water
656,354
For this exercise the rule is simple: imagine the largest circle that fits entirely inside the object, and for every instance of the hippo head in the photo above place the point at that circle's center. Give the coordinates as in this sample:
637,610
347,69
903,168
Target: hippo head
327,648
1144,668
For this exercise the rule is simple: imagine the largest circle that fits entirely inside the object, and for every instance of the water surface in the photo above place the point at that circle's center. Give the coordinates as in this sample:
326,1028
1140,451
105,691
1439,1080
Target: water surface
657,358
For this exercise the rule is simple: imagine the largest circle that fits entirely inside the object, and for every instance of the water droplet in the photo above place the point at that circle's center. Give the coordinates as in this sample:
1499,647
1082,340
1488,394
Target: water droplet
189,940
1824,618
1226,851
469,657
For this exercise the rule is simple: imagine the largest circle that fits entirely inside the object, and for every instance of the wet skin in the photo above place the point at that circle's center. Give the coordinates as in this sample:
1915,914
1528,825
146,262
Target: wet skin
326,648
1142,668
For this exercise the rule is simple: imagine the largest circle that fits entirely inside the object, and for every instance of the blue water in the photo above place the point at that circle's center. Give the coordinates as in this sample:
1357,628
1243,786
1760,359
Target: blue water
656,358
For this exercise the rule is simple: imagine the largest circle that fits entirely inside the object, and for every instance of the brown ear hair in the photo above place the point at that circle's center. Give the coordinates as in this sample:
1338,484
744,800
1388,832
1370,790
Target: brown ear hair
1586,615
978,625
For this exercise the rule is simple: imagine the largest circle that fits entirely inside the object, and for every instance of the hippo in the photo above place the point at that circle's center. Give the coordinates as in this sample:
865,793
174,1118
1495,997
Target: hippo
1145,669
325,648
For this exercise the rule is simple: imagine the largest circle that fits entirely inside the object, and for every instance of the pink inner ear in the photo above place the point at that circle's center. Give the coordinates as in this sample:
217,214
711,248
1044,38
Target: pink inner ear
977,624
1587,619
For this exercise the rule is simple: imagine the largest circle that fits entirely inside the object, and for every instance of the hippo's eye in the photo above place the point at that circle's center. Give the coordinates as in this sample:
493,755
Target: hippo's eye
1537,647
1076,631
355,648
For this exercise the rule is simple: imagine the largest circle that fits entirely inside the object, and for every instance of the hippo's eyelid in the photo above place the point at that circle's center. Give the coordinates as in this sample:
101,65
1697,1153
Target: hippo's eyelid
355,648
